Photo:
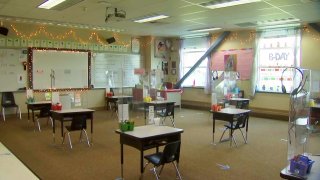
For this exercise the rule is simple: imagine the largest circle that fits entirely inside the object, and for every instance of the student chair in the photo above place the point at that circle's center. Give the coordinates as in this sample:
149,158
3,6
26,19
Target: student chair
7,101
78,123
44,113
243,105
240,123
168,112
170,154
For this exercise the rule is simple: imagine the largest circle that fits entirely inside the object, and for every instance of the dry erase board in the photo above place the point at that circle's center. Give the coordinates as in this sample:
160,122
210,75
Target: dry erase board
12,73
59,69
115,70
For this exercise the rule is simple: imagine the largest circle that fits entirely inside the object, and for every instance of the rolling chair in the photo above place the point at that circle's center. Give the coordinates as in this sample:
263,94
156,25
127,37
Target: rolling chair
170,154
240,123
44,113
8,101
168,112
78,123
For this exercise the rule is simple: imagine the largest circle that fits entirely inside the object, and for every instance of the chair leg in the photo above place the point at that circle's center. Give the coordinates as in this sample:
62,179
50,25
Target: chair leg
154,169
177,170
161,170
18,109
63,138
80,139
51,121
144,167
234,140
162,122
38,122
85,132
3,115
70,140
172,121
245,140
222,134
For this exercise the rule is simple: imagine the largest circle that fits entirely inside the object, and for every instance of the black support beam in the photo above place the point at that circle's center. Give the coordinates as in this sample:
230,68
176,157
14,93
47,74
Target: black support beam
315,26
214,46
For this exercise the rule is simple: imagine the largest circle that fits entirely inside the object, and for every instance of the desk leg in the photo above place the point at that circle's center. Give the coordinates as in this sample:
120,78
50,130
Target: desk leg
121,159
32,115
28,115
62,129
213,128
141,162
53,130
91,131
145,114
247,124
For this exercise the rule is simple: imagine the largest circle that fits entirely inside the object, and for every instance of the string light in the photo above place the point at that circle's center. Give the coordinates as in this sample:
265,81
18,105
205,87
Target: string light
67,34
315,36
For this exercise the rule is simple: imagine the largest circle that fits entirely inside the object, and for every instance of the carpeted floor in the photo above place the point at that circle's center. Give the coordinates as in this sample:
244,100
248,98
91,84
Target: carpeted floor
262,158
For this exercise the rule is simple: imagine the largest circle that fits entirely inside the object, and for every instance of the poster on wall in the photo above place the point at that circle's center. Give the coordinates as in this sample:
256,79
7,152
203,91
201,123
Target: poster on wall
160,48
230,62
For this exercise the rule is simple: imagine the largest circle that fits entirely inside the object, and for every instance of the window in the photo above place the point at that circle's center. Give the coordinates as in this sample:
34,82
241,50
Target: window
198,76
191,51
276,51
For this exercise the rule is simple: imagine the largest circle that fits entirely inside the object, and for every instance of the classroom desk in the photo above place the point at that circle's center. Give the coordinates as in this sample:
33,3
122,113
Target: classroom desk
228,114
12,168
147,137
36,106
313,175
241,103
116,98
157,106
68,115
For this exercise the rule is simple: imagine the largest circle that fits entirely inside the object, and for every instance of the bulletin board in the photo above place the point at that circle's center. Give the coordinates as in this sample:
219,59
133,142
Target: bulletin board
58,68
12,73
244,61
115,70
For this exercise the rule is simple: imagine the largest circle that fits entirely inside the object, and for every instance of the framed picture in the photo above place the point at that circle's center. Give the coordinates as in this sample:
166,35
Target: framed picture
230,62
173,71
173,64
160,48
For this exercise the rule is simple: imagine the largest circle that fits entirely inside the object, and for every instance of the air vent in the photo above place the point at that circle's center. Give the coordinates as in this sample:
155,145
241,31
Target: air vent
246,24
66,4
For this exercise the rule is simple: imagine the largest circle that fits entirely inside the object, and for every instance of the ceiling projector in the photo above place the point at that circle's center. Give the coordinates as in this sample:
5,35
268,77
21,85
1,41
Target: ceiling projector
115,16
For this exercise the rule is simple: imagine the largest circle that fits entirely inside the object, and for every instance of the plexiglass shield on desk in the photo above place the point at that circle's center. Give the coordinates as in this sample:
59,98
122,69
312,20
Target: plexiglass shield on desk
299,126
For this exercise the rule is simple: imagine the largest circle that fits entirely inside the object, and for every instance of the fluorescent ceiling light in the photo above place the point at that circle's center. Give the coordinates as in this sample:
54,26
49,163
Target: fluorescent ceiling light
50,4
279,26
215,5
195,35
205,29
275,22
151,18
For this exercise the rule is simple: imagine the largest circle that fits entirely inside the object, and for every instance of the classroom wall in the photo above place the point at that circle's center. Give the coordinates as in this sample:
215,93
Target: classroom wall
241,39
47,32
310,45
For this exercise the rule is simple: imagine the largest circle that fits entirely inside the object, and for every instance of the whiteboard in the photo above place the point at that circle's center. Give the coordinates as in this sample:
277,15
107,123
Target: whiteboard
115,70
60,69
12,73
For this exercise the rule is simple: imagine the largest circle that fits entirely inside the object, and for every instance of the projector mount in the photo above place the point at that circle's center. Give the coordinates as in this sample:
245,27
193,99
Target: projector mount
117,15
